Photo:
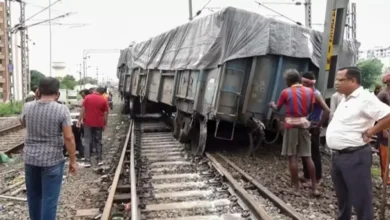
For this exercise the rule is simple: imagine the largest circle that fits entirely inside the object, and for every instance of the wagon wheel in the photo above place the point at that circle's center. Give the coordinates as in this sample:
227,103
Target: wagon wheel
199,138
177,125
131,108
184,131
256,137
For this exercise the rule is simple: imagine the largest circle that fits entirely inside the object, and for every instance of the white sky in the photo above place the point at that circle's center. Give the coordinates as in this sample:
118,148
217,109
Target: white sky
114,24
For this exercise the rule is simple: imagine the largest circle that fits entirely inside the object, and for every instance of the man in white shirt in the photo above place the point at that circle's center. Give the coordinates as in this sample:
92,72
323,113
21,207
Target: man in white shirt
347,136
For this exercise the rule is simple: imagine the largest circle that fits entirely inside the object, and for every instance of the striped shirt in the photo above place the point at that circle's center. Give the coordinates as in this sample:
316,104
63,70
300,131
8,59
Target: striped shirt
298,101
44,139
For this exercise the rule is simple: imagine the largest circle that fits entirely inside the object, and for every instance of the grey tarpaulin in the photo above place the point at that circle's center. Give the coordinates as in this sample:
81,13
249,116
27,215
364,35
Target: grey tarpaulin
229,34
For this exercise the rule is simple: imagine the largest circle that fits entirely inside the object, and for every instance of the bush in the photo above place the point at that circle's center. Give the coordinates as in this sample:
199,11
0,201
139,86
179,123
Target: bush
9,109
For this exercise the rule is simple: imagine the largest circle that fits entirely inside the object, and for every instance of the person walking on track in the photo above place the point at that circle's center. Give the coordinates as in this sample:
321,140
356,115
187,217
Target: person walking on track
93,116
296,140
48,126
348,135
317,117
384,96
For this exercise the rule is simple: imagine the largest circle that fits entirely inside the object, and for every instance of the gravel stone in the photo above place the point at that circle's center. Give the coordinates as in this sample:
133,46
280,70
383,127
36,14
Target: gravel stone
75,192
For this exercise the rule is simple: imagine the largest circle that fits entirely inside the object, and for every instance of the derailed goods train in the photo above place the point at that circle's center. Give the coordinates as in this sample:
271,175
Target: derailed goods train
219,72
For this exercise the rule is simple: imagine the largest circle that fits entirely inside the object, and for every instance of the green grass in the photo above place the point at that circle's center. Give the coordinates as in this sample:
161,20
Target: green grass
376,172
9,109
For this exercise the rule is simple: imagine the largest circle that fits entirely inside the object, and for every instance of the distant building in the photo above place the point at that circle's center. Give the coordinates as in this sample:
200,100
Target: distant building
59,69
5,58
377,52
380,53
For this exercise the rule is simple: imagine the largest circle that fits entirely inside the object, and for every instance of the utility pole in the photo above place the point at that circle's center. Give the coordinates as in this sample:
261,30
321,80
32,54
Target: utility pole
353,18
80,75
10,66
190,9
24,50
348,23
308,13
332,43
353,28
50,39
97,75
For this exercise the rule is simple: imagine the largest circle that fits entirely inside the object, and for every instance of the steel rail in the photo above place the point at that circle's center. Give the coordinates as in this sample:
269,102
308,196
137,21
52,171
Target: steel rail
265,192
248,199
10,129
109,202
133,180
14,149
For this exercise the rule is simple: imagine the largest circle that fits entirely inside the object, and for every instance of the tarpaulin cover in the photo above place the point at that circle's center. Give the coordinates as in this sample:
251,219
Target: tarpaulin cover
232,33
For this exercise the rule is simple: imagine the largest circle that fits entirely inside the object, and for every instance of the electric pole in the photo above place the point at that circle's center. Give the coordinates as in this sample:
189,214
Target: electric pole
190,9
97,75
24,50
308,13
10,66
353,27
348,23
50,39
353,18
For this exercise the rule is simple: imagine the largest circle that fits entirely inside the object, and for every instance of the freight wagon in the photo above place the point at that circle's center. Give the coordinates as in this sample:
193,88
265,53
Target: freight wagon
223,68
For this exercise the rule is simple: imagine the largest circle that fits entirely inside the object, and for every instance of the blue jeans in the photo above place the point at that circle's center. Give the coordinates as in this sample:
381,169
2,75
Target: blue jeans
43,186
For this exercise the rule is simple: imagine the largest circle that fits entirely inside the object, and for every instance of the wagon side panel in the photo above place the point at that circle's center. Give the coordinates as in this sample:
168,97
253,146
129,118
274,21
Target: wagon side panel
232,87
207,99
167,87
154,83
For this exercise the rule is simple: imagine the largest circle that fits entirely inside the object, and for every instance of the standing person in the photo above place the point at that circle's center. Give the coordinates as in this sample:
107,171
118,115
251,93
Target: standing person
105,95
347,136
84,93
377,89
31,95
48,126
334,102
384,96
296,140
93,116
317,117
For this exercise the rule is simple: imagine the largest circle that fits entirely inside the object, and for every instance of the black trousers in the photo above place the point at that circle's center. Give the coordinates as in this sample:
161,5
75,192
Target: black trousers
351,176
78,134
316,157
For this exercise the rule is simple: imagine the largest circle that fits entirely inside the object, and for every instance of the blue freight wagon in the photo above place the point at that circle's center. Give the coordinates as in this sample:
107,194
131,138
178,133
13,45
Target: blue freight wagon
219,72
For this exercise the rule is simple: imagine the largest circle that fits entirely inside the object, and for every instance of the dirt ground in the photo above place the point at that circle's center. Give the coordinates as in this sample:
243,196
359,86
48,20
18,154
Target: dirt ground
271,170
86,190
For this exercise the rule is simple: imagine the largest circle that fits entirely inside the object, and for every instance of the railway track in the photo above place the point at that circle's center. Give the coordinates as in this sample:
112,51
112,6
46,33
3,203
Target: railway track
10,129
12,139
162,181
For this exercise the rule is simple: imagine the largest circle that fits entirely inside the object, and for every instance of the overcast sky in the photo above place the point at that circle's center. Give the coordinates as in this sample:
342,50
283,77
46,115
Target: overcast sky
114,24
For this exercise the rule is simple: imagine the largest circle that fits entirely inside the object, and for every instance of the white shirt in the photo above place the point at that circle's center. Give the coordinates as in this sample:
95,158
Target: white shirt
353,116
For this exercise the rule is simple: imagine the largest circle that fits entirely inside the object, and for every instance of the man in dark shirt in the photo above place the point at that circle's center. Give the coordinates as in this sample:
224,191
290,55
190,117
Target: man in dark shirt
384,96
94,115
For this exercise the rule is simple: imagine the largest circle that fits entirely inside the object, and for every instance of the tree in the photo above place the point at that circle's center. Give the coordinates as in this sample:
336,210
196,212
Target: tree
87,80
36,76
68,82
371,69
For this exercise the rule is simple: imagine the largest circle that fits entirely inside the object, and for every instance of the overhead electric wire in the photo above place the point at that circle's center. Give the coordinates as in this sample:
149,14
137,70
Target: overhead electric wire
200,11
41,6
47,20
45,8
282,15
